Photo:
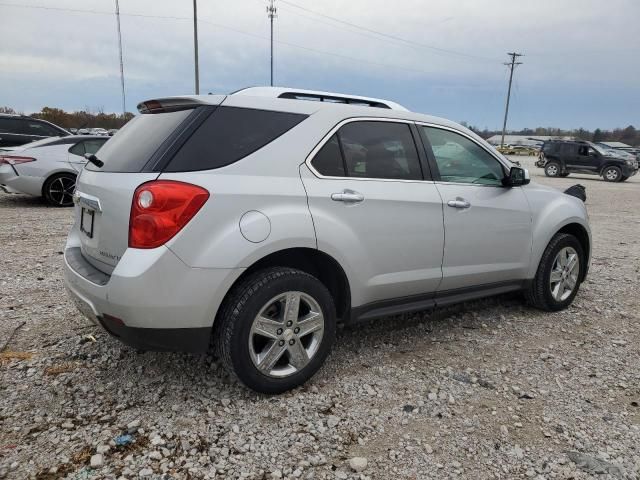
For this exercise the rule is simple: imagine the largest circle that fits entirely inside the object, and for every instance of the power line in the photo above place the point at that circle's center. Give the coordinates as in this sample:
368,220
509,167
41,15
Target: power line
512,66
390,36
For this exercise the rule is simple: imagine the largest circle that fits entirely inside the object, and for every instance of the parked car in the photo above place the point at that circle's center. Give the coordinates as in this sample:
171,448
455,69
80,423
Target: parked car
112,132
99,131
559,158
48,167
17,130
260,222
73,131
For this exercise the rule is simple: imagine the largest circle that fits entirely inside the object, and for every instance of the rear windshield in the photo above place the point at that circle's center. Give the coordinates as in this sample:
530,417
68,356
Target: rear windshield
135,143
230,134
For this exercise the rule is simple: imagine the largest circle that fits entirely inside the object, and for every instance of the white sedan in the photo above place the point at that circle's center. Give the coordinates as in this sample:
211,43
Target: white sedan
47,168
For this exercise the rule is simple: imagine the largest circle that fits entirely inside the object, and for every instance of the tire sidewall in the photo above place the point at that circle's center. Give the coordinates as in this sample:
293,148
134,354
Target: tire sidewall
566,241
246,371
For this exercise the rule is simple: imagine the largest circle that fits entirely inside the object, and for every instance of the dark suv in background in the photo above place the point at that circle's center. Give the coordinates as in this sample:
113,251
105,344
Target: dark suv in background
559,158
17,130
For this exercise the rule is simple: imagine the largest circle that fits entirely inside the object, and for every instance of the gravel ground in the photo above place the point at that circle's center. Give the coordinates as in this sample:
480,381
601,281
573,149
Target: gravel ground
491,389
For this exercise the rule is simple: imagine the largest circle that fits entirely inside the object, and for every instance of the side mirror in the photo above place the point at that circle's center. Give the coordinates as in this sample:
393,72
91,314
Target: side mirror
517,176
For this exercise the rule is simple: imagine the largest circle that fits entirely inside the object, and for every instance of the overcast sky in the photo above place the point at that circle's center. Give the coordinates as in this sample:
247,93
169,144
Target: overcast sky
581,65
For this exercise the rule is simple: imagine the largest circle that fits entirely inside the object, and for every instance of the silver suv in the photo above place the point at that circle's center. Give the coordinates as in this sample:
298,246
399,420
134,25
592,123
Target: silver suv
256,221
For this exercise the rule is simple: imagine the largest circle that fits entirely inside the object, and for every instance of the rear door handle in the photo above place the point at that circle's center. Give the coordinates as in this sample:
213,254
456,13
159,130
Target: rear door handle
459,203
347,196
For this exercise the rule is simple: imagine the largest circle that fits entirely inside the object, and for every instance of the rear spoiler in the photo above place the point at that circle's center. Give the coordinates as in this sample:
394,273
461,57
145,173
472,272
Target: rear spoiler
173,104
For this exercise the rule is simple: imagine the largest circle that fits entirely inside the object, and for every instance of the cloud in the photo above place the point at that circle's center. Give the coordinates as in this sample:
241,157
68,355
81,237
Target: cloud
577,52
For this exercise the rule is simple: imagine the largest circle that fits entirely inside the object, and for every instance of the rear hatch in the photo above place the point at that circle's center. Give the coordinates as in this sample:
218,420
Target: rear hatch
131,157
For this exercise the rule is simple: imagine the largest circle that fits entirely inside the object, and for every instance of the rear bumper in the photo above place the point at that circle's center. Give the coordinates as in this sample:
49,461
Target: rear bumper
15,183
152,300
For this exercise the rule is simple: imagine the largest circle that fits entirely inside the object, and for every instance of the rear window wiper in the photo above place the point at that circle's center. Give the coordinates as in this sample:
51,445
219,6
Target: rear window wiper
93,159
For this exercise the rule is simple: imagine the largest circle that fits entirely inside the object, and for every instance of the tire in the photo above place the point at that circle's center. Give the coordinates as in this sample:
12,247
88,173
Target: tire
552,169
612,174
242,346
541,293
58,189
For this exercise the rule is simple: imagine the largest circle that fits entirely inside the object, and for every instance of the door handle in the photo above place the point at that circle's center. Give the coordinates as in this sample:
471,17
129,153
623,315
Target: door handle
347,196
459,203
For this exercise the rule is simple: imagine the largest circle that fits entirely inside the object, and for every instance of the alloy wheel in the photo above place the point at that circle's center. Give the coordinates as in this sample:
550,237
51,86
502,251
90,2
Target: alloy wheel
61,191
286,334
611,174
552,170
564,274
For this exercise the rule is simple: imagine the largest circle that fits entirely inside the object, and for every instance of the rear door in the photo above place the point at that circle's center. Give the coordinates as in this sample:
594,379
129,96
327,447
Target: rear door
375,211
487,226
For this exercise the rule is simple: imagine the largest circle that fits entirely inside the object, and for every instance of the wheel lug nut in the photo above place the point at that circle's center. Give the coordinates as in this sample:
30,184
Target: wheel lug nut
289,323
292,341
279,332
296,330
281,342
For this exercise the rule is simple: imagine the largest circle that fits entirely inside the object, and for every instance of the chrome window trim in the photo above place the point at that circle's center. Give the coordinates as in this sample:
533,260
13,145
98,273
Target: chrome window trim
343,122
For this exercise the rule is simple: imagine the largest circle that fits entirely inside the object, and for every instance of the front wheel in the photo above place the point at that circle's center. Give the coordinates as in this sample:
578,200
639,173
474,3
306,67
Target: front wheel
58,189
612,174
275,329
559,274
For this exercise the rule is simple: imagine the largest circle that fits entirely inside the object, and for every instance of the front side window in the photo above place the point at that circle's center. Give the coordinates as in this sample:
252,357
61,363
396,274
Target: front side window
370,149
461,160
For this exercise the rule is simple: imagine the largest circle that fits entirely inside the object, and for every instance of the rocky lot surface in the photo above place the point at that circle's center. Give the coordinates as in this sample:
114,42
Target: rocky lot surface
491,389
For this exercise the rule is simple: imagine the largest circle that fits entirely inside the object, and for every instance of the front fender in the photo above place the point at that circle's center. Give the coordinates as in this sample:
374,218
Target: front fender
552,211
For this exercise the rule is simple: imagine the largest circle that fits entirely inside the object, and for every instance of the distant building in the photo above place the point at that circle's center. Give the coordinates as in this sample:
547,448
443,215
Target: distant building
525,140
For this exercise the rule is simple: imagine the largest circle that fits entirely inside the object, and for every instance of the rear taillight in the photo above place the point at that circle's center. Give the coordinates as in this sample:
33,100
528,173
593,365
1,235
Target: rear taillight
160,209
14,160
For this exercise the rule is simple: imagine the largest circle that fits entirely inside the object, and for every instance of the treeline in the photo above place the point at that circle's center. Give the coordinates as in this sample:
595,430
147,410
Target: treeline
82,119
628,135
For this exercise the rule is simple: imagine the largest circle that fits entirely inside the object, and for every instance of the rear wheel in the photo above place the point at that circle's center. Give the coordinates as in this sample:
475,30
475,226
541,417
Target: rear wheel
275,329
58,189
559,274
552,169
612,174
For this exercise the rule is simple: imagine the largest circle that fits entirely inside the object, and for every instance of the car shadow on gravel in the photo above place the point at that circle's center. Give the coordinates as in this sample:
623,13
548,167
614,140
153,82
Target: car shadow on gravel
176,376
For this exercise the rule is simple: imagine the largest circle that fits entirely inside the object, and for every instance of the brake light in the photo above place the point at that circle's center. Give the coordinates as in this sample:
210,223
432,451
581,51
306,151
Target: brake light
14,160
160,209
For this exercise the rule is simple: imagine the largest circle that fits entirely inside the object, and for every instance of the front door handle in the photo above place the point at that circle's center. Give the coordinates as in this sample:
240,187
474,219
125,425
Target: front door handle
347,196
459,203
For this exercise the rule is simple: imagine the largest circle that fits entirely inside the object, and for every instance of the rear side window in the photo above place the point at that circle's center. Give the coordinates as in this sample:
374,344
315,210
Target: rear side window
138,140
328,161
370,149
11,125
230,134
568,149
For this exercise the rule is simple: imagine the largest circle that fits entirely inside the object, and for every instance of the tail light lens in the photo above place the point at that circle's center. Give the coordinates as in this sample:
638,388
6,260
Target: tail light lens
14,160
160,209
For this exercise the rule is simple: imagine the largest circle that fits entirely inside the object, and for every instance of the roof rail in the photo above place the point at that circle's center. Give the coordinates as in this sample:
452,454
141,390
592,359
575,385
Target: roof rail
318,96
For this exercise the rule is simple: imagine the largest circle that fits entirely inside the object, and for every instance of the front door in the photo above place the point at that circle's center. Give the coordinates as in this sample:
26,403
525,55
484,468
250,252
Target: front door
374,211
487,226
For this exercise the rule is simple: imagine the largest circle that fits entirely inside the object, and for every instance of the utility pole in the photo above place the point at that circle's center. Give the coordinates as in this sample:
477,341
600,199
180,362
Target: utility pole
195,45
124,107
512,65
271,13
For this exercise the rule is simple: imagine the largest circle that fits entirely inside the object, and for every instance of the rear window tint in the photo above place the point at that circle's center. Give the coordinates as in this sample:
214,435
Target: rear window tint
230,134
328,161
135,143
